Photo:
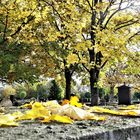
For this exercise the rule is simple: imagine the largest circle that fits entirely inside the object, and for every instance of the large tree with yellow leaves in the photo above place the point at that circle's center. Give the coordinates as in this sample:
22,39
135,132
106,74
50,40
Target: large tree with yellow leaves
71,33
21,59
111,26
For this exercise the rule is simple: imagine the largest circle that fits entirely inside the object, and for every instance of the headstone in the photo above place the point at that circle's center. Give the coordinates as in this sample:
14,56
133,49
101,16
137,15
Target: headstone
124,96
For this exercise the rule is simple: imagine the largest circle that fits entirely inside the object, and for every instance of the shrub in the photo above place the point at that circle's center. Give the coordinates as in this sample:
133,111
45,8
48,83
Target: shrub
101,92
136,95
22,94
55,91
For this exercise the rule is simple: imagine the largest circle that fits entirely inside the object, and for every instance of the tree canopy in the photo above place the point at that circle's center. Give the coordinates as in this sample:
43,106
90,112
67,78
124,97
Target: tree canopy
50,37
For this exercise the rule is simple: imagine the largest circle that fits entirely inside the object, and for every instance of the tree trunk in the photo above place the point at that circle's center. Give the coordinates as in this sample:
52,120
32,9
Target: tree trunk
93,87
94,71
111,98
68,83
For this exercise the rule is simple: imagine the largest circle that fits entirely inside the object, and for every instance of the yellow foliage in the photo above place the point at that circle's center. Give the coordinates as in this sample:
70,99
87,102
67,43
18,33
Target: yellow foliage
62,119
115,112
78,113
97,109
52,106
17,115
72,58
38,111
130,107
65,101
74,100
9,90
29,105
130,113
81,46
7,120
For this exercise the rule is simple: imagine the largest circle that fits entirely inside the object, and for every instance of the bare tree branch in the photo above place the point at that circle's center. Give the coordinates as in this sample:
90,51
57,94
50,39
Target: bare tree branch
52,5
30,18
116,11
103,64
6,23
85,67
91,7
125,25
107,9
137,33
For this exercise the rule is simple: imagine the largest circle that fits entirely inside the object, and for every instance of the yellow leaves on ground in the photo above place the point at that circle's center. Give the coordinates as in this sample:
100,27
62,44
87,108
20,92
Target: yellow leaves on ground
130,107
115,112
52,106
97,109
74,100
65,101
38,111
71,110
78,114
130,113
63,119
52,111
7,120
58,118
29,105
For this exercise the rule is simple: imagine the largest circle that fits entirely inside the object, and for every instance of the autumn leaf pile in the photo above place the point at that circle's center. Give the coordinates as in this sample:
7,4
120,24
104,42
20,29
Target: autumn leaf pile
67,112
49,111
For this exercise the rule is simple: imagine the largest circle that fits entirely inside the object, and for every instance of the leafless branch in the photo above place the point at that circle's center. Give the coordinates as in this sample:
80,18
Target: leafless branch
125,25
29,18
52,5
115,12
85,67
5,28
107,9
91,7
103,64
137,33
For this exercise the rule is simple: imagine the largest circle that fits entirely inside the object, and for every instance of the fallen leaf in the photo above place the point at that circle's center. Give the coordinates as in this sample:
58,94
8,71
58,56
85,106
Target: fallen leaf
52,106
97,109
74,100
58,118
38,111
130,107
115,112
78,113
65,101
7,120
17,115
29,105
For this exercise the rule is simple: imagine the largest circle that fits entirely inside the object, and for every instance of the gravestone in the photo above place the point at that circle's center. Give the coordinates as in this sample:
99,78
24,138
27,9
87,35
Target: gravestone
124,95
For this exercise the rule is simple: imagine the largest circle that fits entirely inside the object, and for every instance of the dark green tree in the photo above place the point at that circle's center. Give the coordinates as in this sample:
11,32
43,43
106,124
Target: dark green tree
55,91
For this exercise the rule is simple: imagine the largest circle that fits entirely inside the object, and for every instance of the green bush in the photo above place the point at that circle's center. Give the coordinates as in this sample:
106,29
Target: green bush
41,92
87,95
101,92
55,91
22,94
136,95
31,93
